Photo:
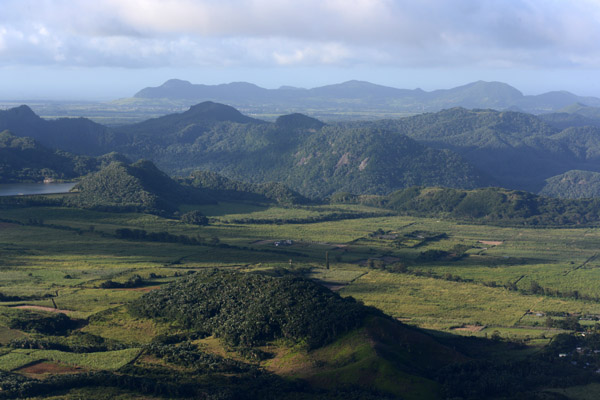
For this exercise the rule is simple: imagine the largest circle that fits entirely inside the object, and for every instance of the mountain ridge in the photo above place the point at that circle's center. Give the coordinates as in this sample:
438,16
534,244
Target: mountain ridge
479,94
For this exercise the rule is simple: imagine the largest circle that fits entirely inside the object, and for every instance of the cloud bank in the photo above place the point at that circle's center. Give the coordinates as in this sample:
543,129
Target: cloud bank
267,33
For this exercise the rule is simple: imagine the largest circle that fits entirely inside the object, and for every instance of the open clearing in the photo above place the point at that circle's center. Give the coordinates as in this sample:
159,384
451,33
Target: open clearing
48,368
491,242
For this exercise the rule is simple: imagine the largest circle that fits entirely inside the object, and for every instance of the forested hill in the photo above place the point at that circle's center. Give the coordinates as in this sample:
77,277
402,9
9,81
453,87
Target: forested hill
249,310
520,151
137,187
23,159
456,148
301,152
76,135
141,186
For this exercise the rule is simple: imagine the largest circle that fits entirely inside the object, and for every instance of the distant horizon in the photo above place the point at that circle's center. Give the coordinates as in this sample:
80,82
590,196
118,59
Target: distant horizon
70,96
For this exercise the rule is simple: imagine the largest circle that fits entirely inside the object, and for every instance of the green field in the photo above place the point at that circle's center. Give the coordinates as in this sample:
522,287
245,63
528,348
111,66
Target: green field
445,276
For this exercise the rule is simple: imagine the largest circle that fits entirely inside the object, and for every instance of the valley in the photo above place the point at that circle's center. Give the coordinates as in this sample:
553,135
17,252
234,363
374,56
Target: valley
210,254
451,280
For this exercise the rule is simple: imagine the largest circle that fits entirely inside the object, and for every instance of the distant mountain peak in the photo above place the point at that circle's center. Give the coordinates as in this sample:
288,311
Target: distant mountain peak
22,111
299,121
175,83
217,111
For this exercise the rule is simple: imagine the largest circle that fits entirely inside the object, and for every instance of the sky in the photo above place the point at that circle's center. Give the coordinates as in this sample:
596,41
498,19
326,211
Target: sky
107,49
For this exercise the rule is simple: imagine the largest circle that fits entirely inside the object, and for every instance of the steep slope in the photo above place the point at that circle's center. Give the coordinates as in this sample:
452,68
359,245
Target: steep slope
76,135
519,150
374,161
573,185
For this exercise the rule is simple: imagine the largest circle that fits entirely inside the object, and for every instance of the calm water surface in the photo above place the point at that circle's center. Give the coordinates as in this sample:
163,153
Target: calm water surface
18,189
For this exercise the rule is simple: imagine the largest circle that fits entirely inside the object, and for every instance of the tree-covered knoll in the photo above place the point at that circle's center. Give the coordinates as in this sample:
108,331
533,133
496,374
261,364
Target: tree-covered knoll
139,186
250,309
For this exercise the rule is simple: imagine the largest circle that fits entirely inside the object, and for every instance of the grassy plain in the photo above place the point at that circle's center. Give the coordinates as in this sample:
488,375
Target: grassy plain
76,250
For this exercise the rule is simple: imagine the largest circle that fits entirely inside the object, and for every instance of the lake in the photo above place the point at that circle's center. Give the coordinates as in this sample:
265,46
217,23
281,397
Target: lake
19,189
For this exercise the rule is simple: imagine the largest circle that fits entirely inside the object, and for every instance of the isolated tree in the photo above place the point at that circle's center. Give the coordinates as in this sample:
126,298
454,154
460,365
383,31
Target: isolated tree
194,217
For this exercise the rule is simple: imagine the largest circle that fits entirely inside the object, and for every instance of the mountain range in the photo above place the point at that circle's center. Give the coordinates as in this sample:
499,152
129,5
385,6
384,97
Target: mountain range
363,97
456,148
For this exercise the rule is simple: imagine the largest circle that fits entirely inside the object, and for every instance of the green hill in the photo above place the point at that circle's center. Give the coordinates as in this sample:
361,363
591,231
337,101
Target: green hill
573,185
139,186
299,121
347,345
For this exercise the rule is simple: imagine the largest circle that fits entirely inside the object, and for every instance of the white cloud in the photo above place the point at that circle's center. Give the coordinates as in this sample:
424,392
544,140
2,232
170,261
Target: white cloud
403,33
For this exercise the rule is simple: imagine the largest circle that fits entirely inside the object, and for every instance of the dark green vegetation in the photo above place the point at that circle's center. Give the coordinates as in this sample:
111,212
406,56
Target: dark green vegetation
250,310
518,150
142,187
490,205
139,186
453,148
76,135
219,187
573,185
23,159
